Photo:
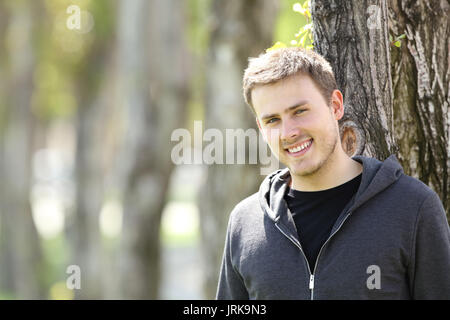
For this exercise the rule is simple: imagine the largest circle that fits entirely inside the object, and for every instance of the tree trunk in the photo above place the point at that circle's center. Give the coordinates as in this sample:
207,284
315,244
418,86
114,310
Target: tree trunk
353,37
21,255
153,90
83,227
421,82
241,29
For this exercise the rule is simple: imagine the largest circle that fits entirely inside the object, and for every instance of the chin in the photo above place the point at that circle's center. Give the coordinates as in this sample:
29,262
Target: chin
304,170
302,173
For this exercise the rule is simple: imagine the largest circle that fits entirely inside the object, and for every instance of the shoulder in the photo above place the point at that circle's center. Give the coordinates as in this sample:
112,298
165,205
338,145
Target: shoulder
246,214
405,183
414,188
246,207
418,197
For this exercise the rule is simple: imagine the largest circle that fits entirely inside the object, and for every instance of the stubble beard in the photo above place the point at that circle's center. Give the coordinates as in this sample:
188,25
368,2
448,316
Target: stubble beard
324,161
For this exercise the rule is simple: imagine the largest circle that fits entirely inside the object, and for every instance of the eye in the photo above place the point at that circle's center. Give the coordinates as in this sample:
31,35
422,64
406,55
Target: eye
271,120
298,111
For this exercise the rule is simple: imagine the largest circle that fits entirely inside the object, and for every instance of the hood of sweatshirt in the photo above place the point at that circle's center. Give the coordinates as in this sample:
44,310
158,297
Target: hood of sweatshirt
376,176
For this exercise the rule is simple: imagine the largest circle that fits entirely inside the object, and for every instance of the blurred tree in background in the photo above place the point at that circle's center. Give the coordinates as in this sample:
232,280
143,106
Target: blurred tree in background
92,90
21,258
92,93
241,29
154,82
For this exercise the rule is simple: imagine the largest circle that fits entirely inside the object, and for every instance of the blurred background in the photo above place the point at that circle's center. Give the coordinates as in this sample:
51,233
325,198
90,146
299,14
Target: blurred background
90,93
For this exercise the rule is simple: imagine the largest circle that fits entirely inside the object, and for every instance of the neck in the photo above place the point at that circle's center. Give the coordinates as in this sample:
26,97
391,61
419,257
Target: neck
337,170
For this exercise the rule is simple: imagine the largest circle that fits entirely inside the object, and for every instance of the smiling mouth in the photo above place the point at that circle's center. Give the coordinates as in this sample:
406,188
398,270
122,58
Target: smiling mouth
299,149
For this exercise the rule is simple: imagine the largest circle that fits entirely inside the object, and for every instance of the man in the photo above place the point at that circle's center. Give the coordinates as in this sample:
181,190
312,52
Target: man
328,226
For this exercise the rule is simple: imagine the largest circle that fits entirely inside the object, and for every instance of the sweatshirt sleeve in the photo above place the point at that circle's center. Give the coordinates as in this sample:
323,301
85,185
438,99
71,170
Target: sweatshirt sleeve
430,269
231,285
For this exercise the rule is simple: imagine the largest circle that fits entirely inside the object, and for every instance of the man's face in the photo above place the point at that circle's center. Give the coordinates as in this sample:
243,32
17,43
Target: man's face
298,123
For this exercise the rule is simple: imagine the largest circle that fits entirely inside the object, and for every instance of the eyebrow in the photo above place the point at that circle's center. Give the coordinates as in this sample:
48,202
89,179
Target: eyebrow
298,104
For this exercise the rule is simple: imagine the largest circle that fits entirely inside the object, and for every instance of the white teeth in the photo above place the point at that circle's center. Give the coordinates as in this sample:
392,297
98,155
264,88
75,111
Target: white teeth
301,147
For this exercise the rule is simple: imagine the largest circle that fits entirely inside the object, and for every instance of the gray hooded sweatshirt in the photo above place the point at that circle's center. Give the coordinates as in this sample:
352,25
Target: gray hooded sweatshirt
392,241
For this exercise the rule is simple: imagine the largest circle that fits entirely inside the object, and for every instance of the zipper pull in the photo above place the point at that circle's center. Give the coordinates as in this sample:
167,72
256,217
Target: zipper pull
311,282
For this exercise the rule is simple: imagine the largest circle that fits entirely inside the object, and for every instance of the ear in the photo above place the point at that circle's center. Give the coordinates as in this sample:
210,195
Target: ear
337,104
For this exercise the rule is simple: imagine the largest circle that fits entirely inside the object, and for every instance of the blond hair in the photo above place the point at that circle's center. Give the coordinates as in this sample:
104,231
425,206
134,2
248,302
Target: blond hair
278,64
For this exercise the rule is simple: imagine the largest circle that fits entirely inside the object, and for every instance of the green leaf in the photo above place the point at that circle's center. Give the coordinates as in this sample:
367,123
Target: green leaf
300,32
307,13
397,43
402,36
277,45
302,40
390,38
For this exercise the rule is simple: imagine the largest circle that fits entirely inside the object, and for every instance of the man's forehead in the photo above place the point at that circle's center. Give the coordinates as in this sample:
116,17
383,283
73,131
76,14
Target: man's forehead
292,80
286,92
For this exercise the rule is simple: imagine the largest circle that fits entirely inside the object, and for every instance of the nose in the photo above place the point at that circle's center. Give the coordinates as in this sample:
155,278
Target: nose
289,130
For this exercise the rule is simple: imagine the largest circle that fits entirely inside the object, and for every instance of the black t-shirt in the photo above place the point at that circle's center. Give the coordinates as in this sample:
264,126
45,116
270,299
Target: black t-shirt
315,213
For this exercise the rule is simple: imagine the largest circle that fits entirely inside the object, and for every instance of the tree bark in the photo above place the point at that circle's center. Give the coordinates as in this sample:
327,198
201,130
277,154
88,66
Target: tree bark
154,92
353,37
241,29
415,113
421,82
